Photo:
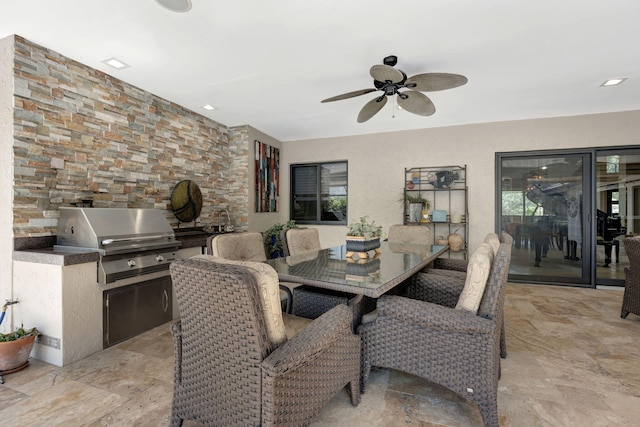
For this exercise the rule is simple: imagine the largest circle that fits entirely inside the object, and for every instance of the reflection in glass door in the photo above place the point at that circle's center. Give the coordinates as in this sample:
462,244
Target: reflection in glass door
544,207
618,206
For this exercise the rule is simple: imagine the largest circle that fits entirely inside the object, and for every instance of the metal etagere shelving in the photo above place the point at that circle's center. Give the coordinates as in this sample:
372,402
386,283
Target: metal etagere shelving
445,189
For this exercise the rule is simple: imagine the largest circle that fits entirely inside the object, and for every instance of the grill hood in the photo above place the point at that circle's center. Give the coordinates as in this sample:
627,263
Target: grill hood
114,230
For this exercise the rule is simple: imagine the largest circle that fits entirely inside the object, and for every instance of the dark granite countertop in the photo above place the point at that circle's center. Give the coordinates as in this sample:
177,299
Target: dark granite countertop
55,257
193,240
41,250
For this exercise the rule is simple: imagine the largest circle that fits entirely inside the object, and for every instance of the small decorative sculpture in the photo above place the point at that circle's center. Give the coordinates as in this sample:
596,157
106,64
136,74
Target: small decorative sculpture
442,179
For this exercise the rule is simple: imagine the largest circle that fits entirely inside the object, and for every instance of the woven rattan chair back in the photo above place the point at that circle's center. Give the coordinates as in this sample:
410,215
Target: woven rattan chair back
301,240
412,234
631,298
223,335
227,372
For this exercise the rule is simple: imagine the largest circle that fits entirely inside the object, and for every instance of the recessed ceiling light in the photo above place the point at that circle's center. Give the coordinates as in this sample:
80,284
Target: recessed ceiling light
613,82
176,5
208,107
115,63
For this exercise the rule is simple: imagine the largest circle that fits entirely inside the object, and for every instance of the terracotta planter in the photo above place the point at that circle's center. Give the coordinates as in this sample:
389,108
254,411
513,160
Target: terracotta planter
15,354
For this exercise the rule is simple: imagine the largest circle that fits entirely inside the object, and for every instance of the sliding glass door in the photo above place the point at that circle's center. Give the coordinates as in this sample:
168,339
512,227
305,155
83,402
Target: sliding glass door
544,205
618,211
569,212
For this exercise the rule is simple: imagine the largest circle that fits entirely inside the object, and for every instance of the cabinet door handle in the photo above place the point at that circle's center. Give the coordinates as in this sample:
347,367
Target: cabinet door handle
165,301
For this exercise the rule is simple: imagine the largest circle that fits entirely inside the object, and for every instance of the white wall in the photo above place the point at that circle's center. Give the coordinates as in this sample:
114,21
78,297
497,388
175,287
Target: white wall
6,176
377,161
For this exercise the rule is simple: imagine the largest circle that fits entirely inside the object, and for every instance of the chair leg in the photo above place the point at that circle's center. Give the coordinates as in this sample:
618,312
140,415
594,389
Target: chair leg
365,370
489,412
503,342
624,313
354,392
289,303
176,421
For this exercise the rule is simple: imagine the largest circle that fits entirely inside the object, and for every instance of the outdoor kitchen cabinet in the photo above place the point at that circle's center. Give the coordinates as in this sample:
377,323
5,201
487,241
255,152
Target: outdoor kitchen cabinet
133,309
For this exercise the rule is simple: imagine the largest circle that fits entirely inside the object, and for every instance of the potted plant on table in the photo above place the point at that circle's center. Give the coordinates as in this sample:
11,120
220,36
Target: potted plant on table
363,236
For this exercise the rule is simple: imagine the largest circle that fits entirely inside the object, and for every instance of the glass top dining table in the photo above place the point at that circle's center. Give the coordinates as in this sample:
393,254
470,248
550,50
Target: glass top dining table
371,276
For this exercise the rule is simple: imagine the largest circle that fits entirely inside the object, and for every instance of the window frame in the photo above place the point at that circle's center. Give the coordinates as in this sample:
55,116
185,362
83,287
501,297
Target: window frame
318,194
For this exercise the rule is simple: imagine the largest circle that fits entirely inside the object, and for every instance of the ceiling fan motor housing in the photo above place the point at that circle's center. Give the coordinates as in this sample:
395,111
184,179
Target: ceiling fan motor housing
390,60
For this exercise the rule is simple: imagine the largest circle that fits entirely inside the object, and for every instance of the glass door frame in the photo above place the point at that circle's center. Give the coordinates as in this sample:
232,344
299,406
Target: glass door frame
587,278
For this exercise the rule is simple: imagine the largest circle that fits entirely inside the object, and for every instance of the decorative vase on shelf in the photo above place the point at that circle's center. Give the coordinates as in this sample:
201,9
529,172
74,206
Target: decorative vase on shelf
455,242
415,212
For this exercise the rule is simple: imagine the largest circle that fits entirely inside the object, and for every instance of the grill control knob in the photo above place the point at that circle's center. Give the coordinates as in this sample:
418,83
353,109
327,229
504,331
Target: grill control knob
131,263
159,258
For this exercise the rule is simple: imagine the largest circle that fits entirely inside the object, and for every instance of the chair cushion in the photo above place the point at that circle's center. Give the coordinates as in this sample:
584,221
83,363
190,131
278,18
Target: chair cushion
294,324
476,280
247,246
494,241
301,240
269,293
416,234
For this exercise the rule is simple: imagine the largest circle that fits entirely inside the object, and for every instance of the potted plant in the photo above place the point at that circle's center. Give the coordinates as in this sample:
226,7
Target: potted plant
273,241
417,204
15,348
363,236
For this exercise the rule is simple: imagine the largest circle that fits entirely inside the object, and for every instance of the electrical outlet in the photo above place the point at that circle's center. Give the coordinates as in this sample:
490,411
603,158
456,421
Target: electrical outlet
49,341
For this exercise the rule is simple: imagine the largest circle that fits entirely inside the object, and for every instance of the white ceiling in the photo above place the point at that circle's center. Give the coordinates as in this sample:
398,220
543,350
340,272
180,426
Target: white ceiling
269,63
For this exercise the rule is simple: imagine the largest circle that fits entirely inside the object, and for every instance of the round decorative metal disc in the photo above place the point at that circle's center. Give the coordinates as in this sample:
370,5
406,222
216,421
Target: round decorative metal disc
186,201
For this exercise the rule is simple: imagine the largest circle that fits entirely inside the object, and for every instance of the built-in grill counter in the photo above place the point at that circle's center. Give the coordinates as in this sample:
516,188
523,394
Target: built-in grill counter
136,247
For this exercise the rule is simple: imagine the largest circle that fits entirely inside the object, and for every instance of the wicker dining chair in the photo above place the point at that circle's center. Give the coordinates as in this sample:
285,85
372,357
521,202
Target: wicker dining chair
631,298
310,301
443,283
236,362
412,234
299,240
456,348
246,246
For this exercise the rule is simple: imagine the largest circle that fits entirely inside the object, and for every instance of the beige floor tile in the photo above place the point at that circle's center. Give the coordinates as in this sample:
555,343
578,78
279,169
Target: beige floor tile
572,362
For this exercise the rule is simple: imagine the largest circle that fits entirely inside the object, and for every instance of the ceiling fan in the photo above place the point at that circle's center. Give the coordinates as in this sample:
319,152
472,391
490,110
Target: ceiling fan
390,81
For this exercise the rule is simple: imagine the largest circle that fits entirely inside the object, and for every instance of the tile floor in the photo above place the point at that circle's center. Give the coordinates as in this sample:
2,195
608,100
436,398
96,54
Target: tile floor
572,362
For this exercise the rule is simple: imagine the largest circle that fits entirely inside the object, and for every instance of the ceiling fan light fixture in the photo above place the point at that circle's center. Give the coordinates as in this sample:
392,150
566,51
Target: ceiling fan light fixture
180,6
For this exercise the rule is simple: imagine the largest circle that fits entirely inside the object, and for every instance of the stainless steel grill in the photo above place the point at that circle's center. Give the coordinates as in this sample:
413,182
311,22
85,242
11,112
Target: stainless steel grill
131,242
136,247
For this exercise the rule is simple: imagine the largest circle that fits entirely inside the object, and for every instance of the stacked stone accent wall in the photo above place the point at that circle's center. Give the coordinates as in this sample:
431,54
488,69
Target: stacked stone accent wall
82,134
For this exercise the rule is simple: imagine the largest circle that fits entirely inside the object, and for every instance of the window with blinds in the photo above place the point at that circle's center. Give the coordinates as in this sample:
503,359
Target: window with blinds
319,193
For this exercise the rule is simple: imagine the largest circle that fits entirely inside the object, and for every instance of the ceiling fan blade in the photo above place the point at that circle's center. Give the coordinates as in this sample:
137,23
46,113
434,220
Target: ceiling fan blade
431,82
416,103
383,73
349,95
371,108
